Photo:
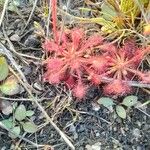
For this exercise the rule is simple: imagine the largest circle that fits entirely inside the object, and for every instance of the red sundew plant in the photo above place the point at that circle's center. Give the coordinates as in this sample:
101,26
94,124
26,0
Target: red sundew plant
69,56
72,60
122,65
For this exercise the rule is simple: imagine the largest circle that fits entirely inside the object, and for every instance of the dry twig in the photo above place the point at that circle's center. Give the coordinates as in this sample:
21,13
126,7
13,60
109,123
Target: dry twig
33,9
3,12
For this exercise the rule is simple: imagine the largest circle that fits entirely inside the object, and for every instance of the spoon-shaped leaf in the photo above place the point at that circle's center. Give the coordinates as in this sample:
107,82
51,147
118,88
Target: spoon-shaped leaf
130,100
106,101
121,112
30,127
20,113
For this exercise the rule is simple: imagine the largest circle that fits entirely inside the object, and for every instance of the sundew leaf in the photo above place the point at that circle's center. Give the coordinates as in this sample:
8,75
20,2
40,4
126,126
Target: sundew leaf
121,112
106,101
3,68
130,100
29,127
20,113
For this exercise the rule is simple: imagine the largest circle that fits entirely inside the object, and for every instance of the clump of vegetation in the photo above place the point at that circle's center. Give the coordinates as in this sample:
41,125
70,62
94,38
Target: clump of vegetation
119,16
20,121
70,59
121,64
122,108
73,60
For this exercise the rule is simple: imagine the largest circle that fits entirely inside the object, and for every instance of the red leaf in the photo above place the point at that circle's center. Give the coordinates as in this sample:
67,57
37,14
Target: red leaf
76,35
79,91
129,48
53,78
54,19
145,77
70,82
95,78
107,47
54,64
91,42
117,87
50,46
99,63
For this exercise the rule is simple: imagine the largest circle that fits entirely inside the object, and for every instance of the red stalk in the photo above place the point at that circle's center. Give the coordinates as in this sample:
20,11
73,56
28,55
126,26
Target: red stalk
54,19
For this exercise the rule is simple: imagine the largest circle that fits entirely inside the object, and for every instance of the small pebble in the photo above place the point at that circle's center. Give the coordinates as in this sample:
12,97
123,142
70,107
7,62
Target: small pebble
6,107
80,128
81,148
138,123
95,107
119,120
3,148
136,133
32,41
15,38
115,129
37,86
26,70
88,147
139,148
96,146
97,134
72,128
146,127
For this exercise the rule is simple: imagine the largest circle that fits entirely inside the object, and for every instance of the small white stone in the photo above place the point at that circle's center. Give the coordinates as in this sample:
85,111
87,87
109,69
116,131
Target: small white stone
97,134
96,146
37,86
15,38
6,107
137,133
95,107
